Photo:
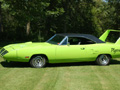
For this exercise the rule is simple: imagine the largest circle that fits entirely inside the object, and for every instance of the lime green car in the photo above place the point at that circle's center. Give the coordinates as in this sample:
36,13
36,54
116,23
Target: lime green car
64,48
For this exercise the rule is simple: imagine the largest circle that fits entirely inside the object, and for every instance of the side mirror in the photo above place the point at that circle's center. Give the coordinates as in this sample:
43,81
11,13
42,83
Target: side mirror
68,44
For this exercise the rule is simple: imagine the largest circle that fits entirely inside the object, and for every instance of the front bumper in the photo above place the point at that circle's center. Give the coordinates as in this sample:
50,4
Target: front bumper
1,58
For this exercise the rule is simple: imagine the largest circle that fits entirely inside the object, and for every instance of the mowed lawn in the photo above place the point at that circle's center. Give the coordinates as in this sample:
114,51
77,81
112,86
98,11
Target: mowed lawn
74,76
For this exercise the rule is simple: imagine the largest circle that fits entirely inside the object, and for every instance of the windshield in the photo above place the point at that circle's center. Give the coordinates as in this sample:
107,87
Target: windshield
56,39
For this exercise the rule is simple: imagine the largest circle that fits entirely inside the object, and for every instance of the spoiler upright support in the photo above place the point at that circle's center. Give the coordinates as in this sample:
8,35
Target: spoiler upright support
106,33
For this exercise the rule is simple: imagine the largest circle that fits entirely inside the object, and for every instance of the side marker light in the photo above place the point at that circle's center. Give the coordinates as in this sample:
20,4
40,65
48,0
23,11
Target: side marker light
26,56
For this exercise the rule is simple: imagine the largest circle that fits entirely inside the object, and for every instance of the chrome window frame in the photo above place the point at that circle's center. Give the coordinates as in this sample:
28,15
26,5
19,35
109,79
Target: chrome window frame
66,37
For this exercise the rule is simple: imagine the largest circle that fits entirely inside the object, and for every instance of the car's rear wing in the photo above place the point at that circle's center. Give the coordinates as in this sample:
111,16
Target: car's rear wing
105,35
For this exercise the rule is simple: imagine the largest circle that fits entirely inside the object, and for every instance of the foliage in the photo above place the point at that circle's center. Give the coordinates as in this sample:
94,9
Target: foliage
37,20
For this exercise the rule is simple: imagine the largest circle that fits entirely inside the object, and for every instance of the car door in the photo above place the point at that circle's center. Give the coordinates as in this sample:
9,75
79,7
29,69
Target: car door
71,53
75,52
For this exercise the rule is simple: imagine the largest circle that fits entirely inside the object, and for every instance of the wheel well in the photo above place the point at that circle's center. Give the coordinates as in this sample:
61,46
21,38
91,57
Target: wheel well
105,54
38,55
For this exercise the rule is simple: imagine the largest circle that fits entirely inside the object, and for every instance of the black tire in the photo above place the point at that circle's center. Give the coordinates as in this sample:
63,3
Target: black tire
103,60
38,61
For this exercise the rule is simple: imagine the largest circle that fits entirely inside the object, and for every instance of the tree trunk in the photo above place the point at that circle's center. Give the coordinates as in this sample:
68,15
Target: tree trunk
0,18
28,28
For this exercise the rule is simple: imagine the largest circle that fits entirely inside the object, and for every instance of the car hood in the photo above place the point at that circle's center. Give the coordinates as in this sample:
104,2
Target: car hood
26,45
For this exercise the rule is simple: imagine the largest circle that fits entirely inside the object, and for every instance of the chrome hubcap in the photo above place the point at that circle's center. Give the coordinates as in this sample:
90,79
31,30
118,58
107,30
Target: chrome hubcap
38,61
104,59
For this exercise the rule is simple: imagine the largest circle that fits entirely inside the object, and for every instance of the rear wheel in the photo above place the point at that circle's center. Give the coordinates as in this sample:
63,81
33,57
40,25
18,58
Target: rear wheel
38,61
103,60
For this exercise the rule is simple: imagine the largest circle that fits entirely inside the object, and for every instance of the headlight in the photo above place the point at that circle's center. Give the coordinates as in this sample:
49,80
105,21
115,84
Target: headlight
3,52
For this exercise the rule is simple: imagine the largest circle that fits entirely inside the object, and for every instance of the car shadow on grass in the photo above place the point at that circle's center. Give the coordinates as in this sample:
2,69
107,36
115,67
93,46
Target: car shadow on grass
15,64
113,62
26,65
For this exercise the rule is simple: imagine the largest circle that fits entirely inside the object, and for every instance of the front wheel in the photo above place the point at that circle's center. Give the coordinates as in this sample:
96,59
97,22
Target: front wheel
38,61
103,60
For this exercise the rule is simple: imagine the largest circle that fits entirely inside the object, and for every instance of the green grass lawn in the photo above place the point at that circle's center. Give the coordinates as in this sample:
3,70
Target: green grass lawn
74,76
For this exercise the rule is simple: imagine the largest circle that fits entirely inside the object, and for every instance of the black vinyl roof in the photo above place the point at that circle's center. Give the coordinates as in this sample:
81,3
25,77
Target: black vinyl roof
87,36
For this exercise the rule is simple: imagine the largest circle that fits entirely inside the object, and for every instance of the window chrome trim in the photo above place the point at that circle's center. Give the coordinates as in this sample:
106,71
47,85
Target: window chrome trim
66,37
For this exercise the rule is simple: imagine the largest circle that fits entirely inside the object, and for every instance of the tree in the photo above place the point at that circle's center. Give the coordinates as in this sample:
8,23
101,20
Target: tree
38,20
0,17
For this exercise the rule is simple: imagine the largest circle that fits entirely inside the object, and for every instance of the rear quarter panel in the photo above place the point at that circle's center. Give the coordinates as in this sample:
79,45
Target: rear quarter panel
107,48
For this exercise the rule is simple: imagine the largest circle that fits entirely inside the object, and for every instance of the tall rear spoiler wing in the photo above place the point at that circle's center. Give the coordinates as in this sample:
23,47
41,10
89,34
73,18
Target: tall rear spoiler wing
106,33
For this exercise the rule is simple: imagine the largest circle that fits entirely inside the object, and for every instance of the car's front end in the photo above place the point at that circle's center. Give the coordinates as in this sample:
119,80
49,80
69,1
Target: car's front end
22,52
8,53
3,52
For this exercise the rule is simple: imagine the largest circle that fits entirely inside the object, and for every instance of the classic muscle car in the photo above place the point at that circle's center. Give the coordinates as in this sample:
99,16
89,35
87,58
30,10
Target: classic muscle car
64,48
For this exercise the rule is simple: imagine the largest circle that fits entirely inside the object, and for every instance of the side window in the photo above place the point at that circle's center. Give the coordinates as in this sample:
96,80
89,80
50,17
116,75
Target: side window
79,41
73,40
86,41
